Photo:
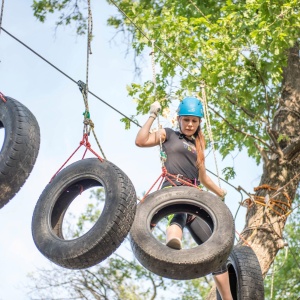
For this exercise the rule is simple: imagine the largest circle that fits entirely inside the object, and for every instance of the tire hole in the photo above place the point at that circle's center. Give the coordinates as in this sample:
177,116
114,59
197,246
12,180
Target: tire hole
77,209
198,229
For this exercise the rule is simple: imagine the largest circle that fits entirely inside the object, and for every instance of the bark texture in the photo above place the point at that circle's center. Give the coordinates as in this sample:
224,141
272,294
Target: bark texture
265,223
266,217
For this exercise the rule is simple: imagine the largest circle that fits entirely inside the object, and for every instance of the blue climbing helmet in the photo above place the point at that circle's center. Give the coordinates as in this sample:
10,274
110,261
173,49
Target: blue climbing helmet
190,106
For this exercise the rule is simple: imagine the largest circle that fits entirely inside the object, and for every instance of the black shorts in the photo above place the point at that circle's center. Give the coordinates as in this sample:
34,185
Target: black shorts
200,231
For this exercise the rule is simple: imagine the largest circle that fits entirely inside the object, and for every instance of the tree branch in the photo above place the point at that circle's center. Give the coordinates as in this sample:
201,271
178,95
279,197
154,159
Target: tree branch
246,111
262,152
262,81
278,149
242,132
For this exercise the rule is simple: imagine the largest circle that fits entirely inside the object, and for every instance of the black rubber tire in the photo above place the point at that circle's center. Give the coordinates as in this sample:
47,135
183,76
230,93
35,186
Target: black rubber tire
109,230
20,147
186,263
245,277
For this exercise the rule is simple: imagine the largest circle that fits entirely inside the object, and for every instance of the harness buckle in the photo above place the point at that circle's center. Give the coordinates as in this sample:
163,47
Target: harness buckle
179,176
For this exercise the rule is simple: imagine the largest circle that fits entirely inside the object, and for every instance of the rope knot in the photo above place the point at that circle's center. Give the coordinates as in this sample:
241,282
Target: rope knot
164,172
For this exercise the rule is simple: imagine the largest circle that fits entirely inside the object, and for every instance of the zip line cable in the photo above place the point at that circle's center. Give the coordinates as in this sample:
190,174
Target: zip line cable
69,77
1,14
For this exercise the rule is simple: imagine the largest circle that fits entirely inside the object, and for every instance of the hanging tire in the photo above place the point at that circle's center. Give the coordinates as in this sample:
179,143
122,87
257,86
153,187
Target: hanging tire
20,147
245,277
109,230
186,263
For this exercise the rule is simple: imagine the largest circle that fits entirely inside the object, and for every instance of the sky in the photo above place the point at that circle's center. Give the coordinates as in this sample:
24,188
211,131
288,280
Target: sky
57,105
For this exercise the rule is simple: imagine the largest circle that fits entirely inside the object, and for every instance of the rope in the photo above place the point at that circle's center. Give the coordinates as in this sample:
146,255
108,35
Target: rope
84,142
198,9
208,126
89,51
289,182
153,66
269,201
241,237
266,226
88,123
85,88
2,97
162,154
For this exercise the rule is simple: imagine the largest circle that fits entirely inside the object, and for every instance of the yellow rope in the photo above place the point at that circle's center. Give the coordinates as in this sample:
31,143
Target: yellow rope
88,123
270,202
208,126
161,152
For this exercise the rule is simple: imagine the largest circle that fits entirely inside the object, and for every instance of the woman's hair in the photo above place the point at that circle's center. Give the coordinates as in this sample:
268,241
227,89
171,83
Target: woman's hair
200,146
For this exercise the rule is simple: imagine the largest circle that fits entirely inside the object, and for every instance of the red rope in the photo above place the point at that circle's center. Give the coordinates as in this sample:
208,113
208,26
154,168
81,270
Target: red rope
2,97
84,142
245,242
166,175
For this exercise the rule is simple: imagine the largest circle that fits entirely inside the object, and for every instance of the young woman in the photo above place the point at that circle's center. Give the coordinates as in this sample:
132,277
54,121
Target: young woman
185,158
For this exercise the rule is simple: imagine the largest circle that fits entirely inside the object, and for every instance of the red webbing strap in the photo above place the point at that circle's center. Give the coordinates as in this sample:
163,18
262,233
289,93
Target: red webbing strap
160,177
2,97
184,182
84,142
166,175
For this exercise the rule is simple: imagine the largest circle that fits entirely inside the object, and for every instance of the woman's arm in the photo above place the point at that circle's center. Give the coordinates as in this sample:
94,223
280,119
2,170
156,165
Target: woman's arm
208,183
146,139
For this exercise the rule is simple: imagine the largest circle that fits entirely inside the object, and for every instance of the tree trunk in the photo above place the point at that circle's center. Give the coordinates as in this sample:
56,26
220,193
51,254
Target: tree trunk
264,224
266,216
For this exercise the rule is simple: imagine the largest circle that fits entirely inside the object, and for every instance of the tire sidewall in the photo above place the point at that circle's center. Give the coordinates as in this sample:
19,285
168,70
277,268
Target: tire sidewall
202,259
45,237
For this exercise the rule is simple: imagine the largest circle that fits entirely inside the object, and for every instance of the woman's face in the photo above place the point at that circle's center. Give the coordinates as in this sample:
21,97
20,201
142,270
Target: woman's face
188,124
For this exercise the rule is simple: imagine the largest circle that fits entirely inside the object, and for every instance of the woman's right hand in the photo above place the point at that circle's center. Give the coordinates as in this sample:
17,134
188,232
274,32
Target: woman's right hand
154,109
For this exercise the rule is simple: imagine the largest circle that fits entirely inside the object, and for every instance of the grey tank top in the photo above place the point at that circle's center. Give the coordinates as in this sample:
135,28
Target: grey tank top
181,155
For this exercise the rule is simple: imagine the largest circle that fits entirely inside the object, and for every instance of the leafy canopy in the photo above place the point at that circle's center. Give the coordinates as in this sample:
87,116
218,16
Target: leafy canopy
238,48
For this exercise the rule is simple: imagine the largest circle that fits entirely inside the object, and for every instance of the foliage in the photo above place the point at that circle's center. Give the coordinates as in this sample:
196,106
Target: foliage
228,173
284,283
71,11
238,48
